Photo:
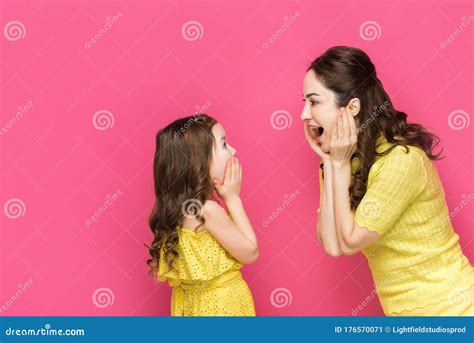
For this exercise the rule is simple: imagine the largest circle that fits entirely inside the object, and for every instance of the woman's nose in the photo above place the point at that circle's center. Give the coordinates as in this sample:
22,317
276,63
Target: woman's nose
305,115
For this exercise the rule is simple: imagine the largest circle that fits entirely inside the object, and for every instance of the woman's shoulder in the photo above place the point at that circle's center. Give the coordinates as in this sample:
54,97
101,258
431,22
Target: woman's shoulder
405,154
408,160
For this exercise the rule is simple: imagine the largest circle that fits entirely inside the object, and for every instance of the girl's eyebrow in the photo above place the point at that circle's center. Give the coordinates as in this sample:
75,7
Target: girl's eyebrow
223,138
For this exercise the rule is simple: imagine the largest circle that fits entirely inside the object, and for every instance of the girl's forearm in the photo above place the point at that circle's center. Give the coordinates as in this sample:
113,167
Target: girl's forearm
342,208
326,221
240,218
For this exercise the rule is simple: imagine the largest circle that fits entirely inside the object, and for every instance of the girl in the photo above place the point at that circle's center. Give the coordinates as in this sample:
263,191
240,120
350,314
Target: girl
380,192
197,246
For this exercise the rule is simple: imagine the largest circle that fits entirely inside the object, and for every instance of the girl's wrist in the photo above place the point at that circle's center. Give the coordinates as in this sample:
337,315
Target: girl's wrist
232,199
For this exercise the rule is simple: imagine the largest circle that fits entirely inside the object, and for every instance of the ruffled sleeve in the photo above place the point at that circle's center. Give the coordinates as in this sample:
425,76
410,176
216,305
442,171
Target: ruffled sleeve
201,258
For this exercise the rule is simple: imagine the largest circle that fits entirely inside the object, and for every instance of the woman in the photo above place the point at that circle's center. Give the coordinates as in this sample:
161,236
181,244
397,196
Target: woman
380,191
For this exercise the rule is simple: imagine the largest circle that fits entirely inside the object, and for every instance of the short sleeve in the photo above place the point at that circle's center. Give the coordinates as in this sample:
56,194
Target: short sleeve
394,182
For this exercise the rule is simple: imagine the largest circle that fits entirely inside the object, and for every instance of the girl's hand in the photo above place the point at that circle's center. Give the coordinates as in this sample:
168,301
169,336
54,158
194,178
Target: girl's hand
230,187
314,145
343,138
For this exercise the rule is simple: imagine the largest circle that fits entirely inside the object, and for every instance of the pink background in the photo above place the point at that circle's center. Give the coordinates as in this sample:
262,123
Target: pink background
59,168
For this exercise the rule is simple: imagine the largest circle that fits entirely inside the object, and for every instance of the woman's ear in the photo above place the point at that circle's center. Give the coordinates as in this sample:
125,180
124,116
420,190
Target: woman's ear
353,106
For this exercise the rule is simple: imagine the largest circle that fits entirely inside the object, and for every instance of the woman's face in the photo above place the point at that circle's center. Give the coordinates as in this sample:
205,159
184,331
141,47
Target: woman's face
320,109
221,153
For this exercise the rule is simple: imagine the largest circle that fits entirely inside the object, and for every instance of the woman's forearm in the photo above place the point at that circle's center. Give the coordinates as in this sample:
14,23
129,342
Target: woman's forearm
326,221
344,217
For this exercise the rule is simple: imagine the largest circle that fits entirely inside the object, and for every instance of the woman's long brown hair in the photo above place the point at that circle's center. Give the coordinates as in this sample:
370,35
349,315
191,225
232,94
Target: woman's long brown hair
350,73
181,176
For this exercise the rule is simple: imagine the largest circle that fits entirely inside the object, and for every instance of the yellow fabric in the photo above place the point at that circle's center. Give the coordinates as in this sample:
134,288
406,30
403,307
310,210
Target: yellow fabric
457,303
417,260
205,279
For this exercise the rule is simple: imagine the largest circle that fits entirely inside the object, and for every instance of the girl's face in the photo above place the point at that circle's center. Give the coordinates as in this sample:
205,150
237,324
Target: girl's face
320,109
221,153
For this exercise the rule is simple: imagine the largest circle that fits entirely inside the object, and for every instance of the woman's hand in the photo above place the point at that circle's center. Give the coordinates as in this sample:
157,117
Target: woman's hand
343,138
314,145
230,187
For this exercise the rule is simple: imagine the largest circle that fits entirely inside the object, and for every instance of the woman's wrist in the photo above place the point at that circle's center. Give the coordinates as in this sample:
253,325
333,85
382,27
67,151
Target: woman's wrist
341,164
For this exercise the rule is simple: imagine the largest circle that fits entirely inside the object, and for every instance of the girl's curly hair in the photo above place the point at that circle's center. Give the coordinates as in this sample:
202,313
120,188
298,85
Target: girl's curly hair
182,182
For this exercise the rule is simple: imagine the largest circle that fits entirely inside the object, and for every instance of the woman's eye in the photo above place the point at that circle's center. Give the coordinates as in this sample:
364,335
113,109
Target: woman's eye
312,102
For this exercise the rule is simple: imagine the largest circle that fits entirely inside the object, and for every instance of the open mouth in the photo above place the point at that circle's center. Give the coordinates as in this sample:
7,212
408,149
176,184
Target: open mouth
316,131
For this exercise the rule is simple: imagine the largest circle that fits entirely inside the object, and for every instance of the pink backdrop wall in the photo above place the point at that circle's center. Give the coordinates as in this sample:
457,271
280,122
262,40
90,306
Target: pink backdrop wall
78,119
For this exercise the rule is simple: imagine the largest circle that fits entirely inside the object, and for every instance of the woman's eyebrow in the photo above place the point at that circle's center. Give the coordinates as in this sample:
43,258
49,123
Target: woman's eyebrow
309,94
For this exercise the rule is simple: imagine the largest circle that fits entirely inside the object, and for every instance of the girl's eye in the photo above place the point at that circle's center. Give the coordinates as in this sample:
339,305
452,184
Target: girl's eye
225,145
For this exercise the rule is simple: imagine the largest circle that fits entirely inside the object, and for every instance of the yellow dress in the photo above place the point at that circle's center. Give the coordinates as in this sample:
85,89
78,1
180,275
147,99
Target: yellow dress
206,280
417,263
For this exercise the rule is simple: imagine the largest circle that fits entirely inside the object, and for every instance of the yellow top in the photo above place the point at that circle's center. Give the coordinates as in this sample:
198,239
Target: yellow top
205,278
201,258
417,260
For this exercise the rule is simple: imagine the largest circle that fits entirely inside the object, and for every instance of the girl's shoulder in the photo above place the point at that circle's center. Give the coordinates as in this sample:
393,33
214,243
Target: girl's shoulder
201,257
202,231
